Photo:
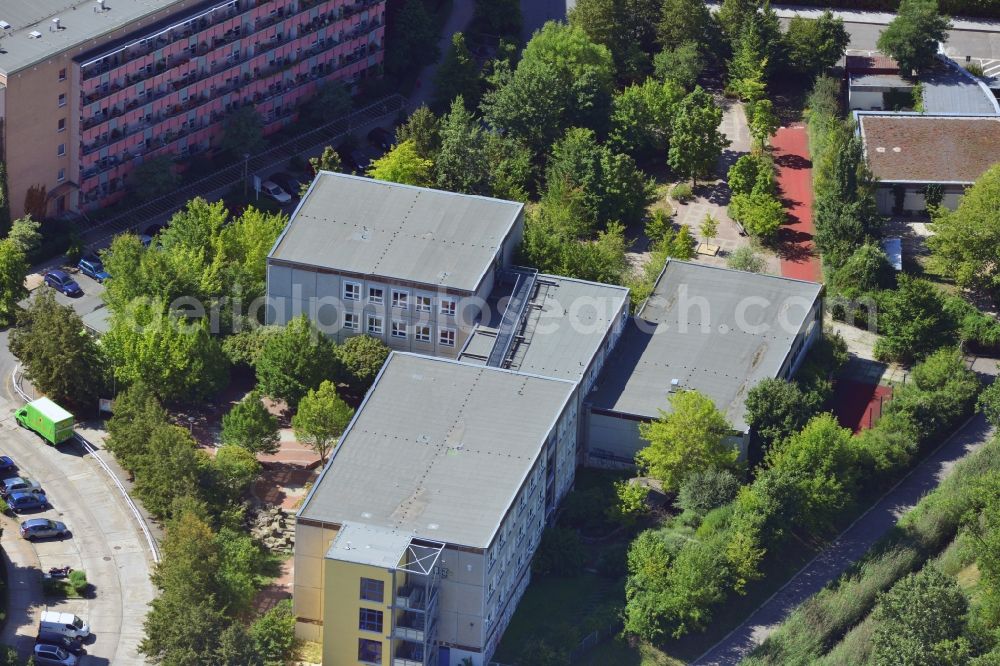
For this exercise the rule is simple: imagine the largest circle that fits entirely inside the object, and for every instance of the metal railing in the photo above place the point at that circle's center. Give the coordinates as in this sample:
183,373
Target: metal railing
512,314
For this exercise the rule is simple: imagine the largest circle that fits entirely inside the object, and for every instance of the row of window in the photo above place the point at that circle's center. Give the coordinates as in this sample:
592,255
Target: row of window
400,299
369,619
399,329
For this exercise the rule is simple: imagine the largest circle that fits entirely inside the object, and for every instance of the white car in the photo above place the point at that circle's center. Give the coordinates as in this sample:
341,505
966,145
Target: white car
272,190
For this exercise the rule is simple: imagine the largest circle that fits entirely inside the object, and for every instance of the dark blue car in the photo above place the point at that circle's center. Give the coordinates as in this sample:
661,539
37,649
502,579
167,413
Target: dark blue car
62,282
19,502
6,464
93,267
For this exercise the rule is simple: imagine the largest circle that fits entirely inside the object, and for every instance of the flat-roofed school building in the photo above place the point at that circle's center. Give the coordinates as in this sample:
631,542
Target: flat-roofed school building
409,265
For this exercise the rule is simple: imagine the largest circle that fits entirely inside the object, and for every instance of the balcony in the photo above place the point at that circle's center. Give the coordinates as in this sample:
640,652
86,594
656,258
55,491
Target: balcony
413,627
408,654
416,598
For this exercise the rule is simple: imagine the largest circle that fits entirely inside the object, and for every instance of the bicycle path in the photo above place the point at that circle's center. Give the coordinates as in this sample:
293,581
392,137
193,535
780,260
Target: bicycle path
799,258
850,546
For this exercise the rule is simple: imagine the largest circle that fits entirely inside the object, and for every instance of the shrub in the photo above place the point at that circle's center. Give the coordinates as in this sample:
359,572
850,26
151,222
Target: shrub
559,554
760,213
682,192
745,258
78,581
701,492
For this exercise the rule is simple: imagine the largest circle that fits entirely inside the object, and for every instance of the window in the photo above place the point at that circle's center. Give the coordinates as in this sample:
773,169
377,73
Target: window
62,99
351,321
374,325
399,329
422,333
400,299
62,74
352,291
62,175
375,295
448,306
61,150
370,620
369,651
446,337
423,303
372,590
61,125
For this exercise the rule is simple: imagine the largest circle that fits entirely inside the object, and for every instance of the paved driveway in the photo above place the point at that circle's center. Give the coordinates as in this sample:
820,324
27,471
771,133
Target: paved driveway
850,546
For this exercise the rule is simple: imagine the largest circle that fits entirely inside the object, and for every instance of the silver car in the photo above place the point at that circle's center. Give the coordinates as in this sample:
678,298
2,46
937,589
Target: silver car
53,655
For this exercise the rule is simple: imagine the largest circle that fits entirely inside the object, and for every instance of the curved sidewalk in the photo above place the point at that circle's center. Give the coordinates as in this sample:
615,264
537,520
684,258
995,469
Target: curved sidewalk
850,546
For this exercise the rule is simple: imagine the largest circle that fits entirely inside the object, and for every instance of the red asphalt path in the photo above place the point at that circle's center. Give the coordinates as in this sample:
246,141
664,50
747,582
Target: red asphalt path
791,155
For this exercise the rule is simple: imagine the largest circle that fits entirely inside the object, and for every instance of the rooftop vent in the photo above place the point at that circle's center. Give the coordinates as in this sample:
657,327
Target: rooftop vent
56,25
34,34
100,6
4,25
674,385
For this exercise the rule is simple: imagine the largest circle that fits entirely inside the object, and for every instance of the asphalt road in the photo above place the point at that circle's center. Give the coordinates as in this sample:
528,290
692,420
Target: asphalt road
106,541
960,43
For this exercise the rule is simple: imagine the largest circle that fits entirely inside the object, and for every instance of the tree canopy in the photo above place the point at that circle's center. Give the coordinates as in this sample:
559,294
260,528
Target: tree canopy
321,418
696,142
249,425
912,37
457,76
294,361
814,45
403,165
13,270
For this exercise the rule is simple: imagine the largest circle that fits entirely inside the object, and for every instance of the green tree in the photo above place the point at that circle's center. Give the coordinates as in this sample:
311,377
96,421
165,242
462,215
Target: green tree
641,115
749,172
294,361
59,357
563,80
700,492
236,648
821,459
424,129
249,425
813,46
691,437
626,27
966,242
137,413
461,164
362,356
681,65
175,357
245,346
402,164
273,634
511,167
989,403
912,321
236,469
683,21
764,123
331,101
921,611
709,227
696,142
775,409
243,132
457,76
154,177
170,467
329,160
912,37
13,270
322,417
745,258
760,214
560,553
414,39
866,270
498,17
748,67
25,235
240,561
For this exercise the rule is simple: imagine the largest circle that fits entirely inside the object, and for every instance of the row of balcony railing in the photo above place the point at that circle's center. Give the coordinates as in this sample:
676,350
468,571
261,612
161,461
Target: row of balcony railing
187,29
193,77
250,51
206,97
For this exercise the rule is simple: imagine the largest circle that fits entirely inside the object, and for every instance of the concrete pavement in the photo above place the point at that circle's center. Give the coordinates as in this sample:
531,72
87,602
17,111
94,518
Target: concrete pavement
850,546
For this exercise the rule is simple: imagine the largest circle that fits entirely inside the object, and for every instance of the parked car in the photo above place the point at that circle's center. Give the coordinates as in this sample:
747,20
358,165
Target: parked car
146,240
42,528
66,624
7,464
288,183
62,282
382,138
21,502
353,160
18,484
271,189
93,267
53,655
71,645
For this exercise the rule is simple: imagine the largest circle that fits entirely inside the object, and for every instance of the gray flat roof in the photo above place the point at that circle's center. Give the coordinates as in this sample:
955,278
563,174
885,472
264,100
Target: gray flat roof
370,227
948,90
566,321
438,450
78,21
366,544
880,81
715,330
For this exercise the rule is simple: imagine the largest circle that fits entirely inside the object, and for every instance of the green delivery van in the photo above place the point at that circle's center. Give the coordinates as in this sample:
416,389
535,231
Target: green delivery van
48,419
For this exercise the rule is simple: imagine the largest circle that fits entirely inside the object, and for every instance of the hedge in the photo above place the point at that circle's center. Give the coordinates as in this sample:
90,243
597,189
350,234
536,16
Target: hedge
973,8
